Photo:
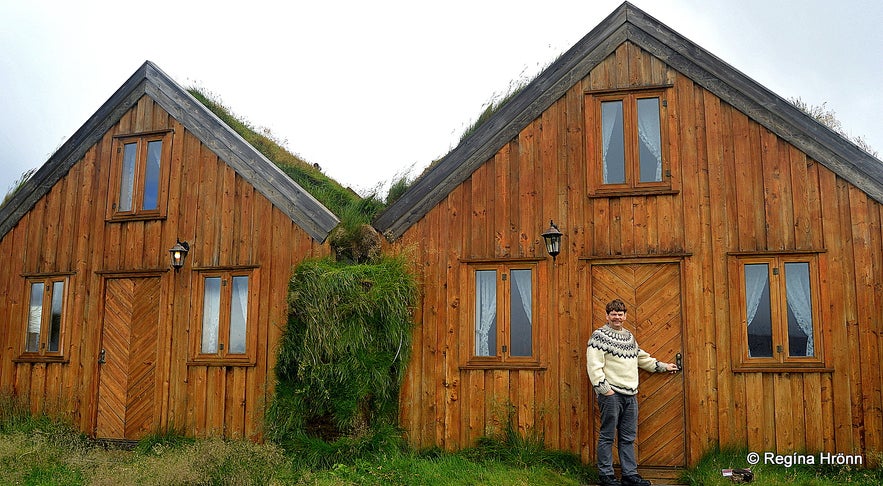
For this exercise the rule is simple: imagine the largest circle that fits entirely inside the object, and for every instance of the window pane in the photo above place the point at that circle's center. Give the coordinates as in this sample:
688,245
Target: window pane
800,325
613,143
151,175
238,314
485,313
211,314
127,180
55,318
758,310
649,140
35,318
521,313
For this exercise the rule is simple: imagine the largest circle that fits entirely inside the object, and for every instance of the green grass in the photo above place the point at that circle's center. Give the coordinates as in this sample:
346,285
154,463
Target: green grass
40,450
708,472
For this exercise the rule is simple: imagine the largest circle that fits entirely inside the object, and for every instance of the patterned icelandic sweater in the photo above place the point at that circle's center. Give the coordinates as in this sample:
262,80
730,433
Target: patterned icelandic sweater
613,358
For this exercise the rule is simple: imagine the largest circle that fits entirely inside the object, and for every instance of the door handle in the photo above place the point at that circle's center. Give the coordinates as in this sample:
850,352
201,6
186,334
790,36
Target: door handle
679,361
101,357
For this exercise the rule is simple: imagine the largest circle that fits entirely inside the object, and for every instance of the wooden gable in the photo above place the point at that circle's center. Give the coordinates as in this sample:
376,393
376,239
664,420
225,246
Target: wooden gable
752,179
125,357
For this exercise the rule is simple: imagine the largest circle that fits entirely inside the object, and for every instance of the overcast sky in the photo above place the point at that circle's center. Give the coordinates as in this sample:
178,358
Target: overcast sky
371,89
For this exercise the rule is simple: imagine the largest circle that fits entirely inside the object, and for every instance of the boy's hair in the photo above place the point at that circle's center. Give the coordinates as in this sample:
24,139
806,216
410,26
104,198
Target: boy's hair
616,305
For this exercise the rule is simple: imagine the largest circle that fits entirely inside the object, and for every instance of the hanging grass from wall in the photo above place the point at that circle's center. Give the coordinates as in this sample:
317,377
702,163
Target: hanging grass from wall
343,354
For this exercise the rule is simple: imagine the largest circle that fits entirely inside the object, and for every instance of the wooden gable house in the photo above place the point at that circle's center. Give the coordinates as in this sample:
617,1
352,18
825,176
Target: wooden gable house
741,233
96,322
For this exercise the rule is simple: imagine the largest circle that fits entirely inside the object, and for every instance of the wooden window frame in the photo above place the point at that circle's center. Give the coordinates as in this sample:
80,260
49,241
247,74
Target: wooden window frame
780,361
118,153
43,354
595,144
502,358
222,357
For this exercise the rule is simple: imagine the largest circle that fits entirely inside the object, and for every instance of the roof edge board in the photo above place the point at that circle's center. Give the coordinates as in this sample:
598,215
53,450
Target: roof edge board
763,106
505,124
246,160
72,150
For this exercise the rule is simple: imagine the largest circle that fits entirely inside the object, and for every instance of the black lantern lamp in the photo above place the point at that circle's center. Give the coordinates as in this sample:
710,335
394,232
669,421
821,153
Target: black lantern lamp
553,240
178,254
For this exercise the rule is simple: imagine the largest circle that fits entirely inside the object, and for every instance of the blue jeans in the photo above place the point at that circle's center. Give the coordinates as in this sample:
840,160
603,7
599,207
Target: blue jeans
618,413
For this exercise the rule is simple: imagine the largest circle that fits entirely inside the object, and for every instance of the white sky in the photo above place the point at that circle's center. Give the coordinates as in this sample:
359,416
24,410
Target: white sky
370,89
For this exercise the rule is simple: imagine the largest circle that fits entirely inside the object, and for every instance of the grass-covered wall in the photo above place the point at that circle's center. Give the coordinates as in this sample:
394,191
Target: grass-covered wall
343,354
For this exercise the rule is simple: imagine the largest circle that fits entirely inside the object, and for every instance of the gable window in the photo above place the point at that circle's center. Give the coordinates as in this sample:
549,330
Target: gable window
141,174
225,318
778,305
503,324
629,142
44,331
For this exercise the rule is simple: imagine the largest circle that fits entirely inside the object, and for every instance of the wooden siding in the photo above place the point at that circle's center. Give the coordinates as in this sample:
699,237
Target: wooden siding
227,222
739,188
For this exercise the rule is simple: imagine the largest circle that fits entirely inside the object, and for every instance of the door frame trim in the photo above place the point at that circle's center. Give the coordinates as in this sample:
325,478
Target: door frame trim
99,335
679,260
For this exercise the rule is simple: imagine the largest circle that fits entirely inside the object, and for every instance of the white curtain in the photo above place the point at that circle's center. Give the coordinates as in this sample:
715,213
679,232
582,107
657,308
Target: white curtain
521,338
611,111
521,281
799,300
756,280
485,309
127,179
211,314
35,318
648,130
239,315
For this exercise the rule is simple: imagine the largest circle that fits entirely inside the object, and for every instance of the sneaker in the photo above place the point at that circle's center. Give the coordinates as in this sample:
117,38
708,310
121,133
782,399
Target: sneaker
634,480
608,481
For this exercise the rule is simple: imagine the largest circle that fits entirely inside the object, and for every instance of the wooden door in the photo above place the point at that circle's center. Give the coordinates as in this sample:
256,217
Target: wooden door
652,293
127,369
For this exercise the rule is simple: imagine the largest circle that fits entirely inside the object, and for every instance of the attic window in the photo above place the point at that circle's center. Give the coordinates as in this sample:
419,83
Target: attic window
140,176
627,142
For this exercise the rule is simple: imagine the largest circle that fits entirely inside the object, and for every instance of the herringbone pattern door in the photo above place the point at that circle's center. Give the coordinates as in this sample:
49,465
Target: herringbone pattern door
652,293
127,381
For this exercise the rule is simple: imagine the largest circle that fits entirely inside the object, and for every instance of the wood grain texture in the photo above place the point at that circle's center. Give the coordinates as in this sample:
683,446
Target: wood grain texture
738,188
208,204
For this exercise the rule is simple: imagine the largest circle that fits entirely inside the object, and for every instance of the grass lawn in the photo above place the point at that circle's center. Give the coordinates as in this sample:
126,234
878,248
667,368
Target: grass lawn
43,452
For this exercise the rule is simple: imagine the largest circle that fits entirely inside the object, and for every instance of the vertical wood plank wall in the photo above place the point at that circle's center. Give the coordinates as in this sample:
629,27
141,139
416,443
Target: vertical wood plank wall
741,189
227,222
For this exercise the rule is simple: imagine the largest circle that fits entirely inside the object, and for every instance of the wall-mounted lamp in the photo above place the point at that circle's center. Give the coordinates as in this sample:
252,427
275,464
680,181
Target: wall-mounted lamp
553,240
179,253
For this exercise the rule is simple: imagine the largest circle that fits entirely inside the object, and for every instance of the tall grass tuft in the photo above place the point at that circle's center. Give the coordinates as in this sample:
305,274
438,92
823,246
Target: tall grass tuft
342,357
525,450
24,177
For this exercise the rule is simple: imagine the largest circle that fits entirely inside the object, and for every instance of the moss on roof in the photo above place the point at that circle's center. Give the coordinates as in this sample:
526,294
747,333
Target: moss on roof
337,198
